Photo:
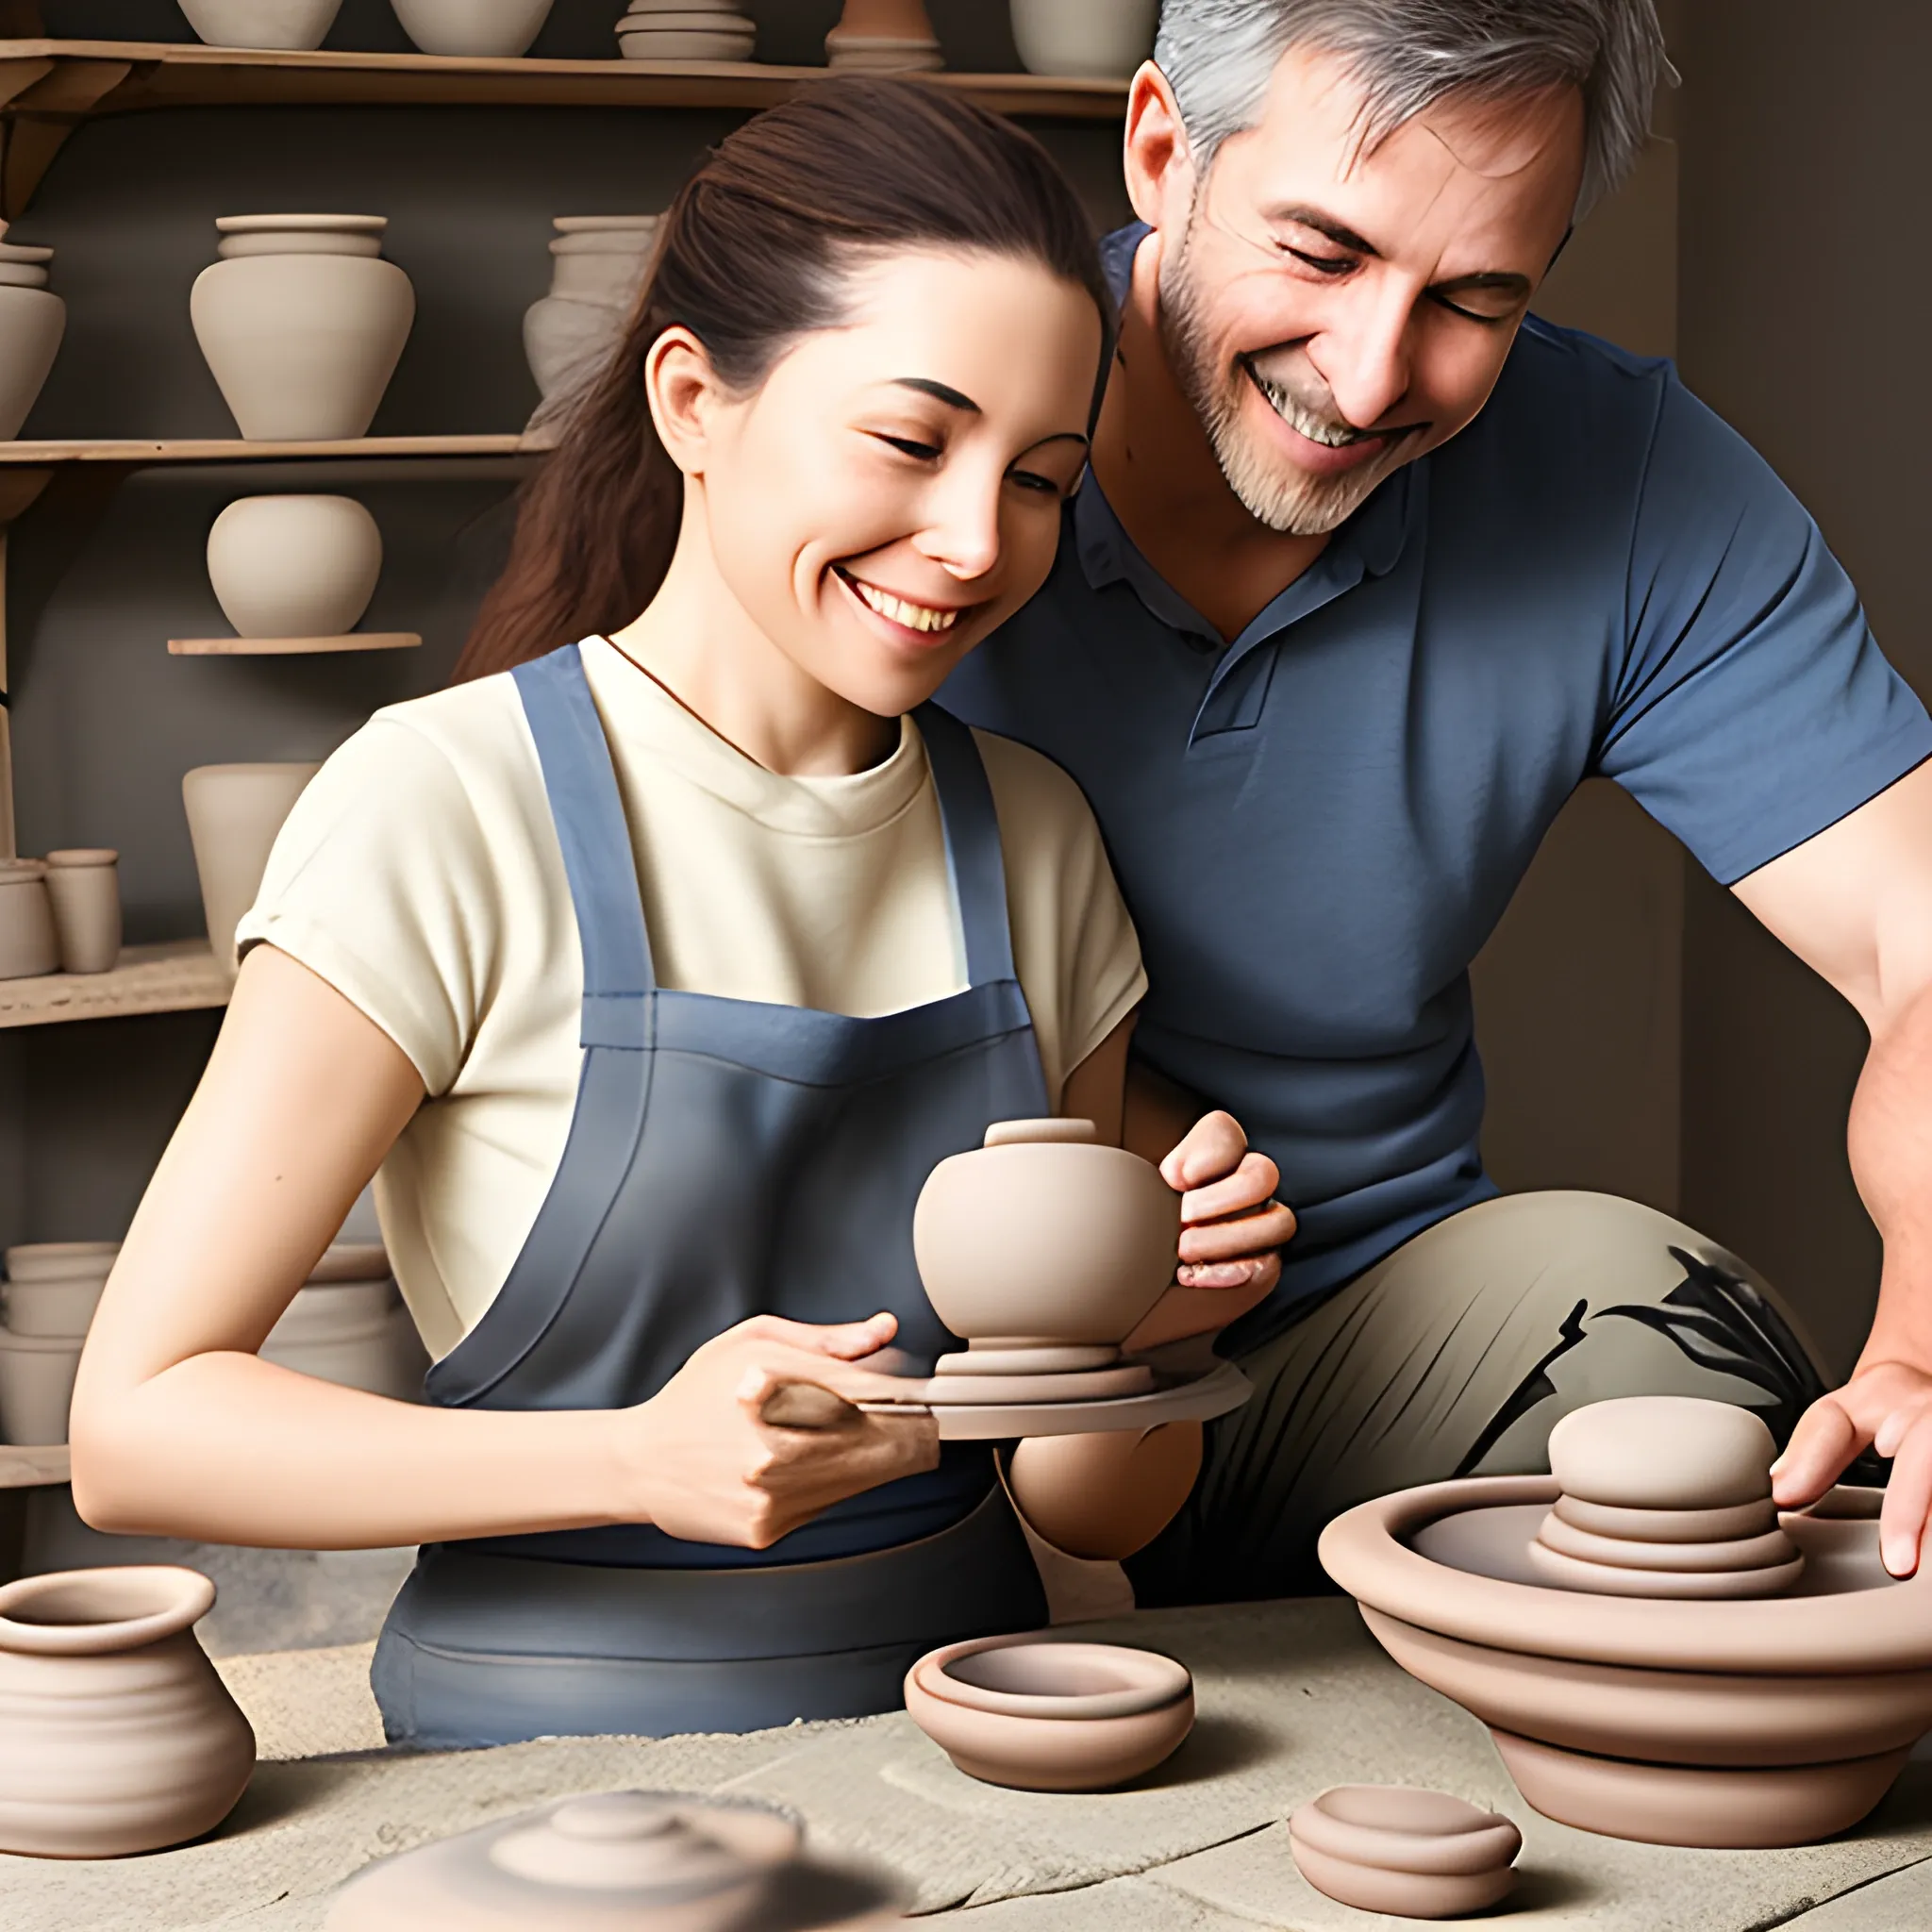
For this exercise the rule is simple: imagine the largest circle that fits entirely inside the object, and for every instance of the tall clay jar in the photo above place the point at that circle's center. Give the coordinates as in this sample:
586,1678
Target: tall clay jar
116,1736
28,946
32,321
84,886
302,323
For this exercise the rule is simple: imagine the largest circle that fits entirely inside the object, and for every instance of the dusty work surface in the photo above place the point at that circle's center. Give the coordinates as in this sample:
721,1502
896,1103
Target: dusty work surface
1293,1696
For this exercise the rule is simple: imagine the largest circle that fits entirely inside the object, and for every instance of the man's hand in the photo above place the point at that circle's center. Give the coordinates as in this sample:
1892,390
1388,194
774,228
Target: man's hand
1887,1406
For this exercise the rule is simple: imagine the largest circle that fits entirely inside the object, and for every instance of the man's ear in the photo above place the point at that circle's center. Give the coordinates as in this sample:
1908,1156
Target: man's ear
1156,154
682,389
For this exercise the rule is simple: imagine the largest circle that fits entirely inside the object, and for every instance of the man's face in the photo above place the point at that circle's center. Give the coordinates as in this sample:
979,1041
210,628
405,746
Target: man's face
1332,315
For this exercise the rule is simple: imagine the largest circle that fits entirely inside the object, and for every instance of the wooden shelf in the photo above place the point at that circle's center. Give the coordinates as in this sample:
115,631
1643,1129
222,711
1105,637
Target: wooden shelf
292,648
140,452
50,86
32,1468
178,978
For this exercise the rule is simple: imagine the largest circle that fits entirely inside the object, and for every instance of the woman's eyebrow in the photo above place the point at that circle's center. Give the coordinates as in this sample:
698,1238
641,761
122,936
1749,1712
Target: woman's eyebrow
939,393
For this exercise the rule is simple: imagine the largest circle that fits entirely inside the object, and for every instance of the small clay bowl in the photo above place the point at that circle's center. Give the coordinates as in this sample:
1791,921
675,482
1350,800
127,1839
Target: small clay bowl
1036,1715
1390,1848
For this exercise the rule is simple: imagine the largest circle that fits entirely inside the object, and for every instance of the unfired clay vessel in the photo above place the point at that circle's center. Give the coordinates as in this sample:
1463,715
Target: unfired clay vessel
29,944
116,1735
599,262
478,29
60,1309
298,25
302,323
32,321
59,1260
1044,1716
294,566
1773,1721
621,1862
356,1333
884,37
1392,1848
234,813
686,30
37,1374
1093,40
84,890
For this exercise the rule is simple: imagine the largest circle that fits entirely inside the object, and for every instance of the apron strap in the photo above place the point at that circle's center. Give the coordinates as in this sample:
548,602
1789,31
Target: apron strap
975,859
582,783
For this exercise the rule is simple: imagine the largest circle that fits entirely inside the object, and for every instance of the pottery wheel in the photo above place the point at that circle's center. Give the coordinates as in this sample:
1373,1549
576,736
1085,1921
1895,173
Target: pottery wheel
1193,1398
1087,1384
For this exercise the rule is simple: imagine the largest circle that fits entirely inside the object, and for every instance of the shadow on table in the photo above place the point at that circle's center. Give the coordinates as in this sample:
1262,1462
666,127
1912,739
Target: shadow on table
1216,1746
1544,1888
278,1792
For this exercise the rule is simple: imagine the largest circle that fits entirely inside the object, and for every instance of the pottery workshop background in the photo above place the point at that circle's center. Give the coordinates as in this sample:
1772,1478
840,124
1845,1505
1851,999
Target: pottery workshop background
1642,1035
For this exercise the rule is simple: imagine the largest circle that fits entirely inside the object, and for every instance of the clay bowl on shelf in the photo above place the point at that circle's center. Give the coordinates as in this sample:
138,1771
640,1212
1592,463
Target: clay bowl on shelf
485,29
1743,1725
292,26
1039,1715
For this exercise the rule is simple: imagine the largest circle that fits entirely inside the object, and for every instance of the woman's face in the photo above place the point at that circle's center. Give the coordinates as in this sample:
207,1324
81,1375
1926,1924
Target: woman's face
892,492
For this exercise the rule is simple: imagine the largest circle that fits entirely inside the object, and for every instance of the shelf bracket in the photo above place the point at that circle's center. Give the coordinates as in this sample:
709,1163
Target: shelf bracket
42,113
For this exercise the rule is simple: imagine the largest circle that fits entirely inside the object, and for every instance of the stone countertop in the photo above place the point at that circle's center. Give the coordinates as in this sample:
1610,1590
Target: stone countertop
1294,1697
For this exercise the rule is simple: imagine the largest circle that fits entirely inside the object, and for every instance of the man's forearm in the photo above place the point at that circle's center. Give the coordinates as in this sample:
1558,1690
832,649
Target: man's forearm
1890,1145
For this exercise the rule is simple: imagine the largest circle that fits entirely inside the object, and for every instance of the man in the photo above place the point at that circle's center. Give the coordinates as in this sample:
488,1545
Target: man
1371,570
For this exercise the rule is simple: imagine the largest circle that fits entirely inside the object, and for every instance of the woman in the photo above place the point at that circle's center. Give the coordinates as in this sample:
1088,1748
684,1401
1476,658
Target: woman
656,975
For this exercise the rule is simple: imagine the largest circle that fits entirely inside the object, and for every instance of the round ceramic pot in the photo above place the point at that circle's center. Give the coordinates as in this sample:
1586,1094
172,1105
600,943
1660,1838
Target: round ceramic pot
84,890
61,1260
116,1736
61,1310
1084,40
294,566
1045,1236
302,323
1037,1715
28,944
884,37
295,25
486,28
37,1374
234,813
32,321
1745,1725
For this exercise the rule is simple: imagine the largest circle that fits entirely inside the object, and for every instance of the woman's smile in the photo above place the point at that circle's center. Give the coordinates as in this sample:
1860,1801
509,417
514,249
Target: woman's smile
902,617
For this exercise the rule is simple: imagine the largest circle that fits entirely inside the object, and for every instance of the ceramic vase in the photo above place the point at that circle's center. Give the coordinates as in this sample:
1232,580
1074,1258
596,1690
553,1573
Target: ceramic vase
32,321
28,945
1084,40
35,1385
884,37
116,1736
598,267
234,813
294,566
293,25
476,28
84,890
302,323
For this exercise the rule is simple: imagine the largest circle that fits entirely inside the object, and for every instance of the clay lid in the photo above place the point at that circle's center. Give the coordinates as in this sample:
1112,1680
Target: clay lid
351,225
606,225
85,855
1046,1678
619,1862
1041,1133
1402,1829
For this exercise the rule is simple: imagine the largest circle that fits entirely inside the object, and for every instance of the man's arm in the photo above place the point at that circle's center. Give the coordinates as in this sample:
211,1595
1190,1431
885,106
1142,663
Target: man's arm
1854,904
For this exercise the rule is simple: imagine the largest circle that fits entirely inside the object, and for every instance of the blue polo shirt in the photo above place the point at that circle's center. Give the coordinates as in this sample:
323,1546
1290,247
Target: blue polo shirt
1317,825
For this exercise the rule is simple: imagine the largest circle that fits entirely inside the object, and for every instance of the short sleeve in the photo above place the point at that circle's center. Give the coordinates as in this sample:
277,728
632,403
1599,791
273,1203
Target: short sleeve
1074,946
1753,708
380,882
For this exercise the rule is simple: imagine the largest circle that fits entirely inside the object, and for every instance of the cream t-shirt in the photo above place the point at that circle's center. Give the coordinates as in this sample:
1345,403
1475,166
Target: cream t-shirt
420,874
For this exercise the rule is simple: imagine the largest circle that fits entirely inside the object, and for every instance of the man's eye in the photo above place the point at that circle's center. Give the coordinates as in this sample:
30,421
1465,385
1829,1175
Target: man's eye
1475,314
906,445
1325,264
1032,479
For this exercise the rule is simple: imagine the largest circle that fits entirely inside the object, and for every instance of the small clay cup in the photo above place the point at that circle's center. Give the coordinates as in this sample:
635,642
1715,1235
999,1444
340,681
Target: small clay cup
1037,1715
1045,1236
116,1736
84,890
1419,1854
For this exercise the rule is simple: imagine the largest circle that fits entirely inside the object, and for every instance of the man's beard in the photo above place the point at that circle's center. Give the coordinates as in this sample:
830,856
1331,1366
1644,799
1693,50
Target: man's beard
1275,493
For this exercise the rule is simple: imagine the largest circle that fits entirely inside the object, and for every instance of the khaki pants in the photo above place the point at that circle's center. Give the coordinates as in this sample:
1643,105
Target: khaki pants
1454,1356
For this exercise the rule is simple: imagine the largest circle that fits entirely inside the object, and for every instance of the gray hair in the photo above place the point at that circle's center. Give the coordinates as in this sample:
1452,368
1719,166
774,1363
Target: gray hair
1218,57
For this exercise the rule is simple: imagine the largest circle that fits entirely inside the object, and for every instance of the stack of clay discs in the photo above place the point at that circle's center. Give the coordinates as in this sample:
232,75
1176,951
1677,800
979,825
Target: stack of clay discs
1664,1497
1388,1848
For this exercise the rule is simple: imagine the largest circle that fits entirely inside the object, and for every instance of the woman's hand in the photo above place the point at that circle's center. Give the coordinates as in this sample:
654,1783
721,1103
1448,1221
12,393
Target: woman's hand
758,1432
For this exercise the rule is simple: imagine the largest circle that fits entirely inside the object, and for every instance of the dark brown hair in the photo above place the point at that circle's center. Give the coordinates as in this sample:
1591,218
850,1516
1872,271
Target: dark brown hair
752,255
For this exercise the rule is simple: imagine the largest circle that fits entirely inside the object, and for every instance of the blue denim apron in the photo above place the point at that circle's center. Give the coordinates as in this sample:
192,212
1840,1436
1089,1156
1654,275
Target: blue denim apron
726,1158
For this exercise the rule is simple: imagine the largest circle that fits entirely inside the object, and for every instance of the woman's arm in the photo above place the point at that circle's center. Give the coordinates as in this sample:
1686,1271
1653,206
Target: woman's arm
180,1429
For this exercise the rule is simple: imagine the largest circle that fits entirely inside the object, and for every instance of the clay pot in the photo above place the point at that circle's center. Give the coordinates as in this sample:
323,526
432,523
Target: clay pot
302,323
1776,1721
354,1333
116,1736
686,30
294,566
1087,40
1042,1716
84,890
234,813
1045,1236
487,29
884,37
621,1862
599,264
37,1374
60,1309
29,944
297,25
61,1260
1388,1848
32,321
